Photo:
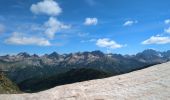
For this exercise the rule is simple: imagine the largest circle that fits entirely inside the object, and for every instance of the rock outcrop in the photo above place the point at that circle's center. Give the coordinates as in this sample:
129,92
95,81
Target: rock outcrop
152,83
7,86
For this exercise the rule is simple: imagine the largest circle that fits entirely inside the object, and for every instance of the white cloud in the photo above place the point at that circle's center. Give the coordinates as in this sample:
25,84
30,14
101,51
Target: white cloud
49,7
36,27
157,40
2,28
107,43
53,25
167,21
91,21
130,23
81,34
19,39
167,30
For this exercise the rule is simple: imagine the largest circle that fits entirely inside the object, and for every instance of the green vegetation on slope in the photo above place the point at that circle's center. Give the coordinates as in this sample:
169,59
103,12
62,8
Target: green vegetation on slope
6,86
72,76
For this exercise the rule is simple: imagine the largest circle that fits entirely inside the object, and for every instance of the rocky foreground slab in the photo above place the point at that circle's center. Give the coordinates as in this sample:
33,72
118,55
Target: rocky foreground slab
152,83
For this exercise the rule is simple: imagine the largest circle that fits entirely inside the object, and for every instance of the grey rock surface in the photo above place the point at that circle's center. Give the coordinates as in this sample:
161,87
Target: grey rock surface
152,83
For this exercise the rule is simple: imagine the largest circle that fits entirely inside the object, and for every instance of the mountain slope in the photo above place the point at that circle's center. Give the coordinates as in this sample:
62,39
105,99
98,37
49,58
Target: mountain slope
72,76
6,86
152,83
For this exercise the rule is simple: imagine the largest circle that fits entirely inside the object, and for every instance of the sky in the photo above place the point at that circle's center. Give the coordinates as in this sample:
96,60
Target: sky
65,26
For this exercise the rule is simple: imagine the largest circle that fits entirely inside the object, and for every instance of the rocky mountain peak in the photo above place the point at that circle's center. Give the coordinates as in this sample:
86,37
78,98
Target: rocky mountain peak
23,54
35,55
53,55
149,53
97,53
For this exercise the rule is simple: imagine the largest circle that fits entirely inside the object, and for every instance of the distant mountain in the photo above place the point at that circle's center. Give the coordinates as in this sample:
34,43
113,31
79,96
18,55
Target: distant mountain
23,55
166,55
23,66
150,56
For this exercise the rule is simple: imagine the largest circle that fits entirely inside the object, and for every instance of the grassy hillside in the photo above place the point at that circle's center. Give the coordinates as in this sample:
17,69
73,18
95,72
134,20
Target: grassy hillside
6,86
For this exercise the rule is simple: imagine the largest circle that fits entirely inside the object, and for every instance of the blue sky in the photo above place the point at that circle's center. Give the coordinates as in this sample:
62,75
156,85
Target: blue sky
64,26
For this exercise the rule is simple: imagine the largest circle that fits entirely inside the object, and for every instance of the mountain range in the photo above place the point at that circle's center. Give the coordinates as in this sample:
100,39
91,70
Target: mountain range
23,68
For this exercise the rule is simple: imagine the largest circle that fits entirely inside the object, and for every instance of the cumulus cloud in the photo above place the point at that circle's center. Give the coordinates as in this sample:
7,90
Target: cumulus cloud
48,7
130,23
167,21
2,28
167,30
19,39
91,21
107,43
157,40
53,25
